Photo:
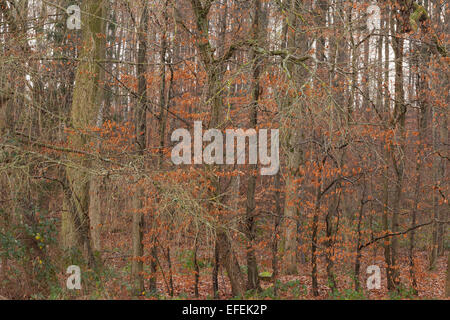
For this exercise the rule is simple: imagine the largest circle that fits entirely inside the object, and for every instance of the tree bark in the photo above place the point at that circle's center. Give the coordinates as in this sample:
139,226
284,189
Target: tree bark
294,156
259,31
447,282
386,157
137,265
87,99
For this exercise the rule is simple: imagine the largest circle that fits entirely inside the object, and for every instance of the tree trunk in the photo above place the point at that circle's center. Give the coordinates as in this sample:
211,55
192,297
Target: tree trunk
447,282
399,118
229,261
422,122
137,265
294,156
259,31
214,72
277,222
358,243
315,232
443,187
386,157
87,98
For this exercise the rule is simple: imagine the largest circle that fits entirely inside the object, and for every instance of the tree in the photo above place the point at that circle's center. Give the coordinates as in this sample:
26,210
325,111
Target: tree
137,266
447,283
87,97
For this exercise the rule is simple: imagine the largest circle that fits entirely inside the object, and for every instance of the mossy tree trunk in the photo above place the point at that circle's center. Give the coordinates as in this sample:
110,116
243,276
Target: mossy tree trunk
87,99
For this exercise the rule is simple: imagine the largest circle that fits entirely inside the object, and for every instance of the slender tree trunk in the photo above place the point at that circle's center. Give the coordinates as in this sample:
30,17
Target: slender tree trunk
422,122
447,282
329,231
359,234
294,156
169,265
196,267
215,272
315,231
137,266
399,122
314,275
259,36
386,158
435,168
443,186
321,11
277,222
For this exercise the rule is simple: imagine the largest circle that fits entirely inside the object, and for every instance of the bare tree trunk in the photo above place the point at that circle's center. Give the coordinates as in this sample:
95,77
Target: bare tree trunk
447,283
85,108
386,157
443,187
315,231
358,243
422,122
294,156
215,272
137,265
277,222
320,11
259,26
229,261
399,119
169,265
196,267
329,231
421,128
435,168
314,275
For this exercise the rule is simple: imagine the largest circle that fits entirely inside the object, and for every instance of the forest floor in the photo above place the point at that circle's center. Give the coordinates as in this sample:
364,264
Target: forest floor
431,284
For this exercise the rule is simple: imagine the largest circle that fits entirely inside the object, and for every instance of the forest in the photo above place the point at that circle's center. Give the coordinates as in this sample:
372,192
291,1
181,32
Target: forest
118,124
